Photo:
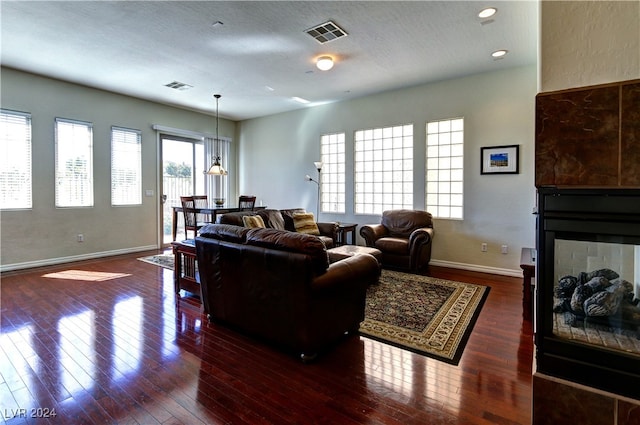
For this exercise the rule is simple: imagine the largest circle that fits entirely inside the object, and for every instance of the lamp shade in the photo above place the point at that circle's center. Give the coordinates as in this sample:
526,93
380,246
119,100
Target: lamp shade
216,169
324,63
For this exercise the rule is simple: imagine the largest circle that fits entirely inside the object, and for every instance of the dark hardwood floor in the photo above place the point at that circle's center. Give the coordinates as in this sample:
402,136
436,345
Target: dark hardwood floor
107,342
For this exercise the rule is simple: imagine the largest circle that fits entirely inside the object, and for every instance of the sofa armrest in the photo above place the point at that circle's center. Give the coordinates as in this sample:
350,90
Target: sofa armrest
371,233
329,229
361,270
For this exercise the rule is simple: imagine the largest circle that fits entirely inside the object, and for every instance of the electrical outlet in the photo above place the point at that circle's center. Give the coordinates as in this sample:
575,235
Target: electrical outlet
80,237
483,247
504,249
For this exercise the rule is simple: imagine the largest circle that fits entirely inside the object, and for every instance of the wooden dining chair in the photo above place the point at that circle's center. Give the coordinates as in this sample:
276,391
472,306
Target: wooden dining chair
246,203
193,219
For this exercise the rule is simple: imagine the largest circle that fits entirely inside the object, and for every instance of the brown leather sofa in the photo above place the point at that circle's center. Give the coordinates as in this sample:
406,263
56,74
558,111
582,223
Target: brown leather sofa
279,286
282,220
403,236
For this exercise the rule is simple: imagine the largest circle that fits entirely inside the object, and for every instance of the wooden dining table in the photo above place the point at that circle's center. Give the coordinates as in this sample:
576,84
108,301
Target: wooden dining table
212,210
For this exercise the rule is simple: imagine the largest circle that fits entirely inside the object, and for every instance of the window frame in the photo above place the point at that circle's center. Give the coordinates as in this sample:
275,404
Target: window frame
11,156
333,175
135,196
89,178
444,168
380,156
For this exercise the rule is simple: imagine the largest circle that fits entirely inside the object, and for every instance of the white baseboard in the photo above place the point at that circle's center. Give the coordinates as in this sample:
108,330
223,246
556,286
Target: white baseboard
70,259
476,268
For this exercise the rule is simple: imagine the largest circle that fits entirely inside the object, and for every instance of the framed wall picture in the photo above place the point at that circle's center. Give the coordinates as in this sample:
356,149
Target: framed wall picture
500,159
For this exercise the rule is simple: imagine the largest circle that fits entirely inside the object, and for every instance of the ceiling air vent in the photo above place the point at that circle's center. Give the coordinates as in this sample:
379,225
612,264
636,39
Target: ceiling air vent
326,32
178,85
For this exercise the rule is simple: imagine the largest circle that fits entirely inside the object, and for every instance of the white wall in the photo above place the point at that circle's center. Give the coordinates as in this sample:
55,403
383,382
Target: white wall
277,151
583,43
46,234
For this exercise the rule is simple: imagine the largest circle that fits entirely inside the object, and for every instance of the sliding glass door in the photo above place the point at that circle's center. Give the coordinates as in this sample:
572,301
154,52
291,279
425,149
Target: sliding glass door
182,175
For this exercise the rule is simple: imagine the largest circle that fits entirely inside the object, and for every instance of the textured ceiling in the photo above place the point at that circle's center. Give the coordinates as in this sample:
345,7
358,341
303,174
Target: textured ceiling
260,57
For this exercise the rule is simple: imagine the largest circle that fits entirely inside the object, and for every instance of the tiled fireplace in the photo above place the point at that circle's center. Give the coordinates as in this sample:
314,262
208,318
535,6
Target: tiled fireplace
588,241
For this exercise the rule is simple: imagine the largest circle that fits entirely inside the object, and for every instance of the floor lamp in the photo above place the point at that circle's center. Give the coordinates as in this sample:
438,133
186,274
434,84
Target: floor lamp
318,165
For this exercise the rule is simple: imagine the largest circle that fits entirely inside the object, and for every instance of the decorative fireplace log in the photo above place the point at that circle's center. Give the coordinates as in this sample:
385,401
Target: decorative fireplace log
599,294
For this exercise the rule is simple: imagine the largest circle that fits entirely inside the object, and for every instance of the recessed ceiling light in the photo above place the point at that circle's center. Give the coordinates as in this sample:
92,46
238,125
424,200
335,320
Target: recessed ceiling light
499,54
324,63
487,12
300,100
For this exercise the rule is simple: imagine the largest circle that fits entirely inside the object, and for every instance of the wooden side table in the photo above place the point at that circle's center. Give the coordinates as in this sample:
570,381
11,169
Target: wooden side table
343,230
185,274
528,266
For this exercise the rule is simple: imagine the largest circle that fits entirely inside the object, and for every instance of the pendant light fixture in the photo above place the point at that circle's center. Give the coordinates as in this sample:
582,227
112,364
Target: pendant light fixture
216,168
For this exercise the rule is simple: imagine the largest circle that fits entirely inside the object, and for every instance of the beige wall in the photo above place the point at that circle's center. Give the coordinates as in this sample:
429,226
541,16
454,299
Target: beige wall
46,234
498,107
583,43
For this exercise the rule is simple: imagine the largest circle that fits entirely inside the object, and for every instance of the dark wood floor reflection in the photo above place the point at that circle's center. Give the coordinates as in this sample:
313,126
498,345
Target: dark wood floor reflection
107,342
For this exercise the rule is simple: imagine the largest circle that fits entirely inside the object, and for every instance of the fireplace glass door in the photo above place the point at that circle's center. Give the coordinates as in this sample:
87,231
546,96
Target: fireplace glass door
596,294
588,288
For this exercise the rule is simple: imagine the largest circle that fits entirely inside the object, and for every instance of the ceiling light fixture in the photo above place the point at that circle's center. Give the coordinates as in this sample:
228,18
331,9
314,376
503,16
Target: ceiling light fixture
216,168
300,100
499,54
324,63
487,12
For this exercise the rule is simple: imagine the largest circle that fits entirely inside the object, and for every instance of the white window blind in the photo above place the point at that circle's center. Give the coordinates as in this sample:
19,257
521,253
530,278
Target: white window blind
15,162
126,166
444,173
332,184
383,169
74,163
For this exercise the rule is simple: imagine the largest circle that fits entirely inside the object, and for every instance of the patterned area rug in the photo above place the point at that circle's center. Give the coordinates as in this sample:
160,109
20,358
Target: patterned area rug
429,316
162,260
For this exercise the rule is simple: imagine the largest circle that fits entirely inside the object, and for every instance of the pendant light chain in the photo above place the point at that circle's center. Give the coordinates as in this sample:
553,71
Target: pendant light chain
217,141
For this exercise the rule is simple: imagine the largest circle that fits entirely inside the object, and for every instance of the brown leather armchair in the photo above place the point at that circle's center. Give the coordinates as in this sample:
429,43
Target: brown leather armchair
403,236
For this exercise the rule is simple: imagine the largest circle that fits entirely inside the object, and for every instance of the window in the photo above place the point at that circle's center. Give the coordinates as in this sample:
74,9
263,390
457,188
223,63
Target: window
333,170
126,166
383,169
445,145
74,163
15,162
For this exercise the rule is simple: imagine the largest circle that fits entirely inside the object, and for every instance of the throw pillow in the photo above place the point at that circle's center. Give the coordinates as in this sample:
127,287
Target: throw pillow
305,223
252,221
